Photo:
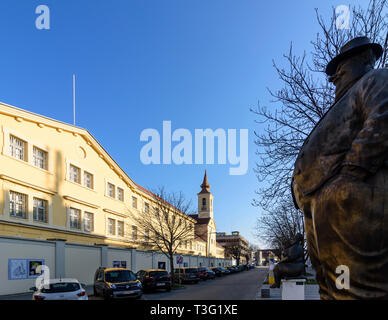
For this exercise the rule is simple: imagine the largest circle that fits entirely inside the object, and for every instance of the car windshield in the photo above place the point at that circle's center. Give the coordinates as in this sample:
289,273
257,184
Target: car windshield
158,273
119,276
61,287
190,270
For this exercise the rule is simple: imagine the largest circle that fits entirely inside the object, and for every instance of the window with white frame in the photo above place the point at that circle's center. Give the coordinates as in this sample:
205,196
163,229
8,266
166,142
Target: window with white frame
120,228
40,210
111,226
110,190
18,204
134,202
75,217
88,180
134,232
17,148
88,222
39,158
75,174
120,194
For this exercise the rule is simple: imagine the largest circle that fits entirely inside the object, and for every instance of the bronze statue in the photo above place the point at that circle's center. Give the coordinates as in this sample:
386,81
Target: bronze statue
292,263
340,179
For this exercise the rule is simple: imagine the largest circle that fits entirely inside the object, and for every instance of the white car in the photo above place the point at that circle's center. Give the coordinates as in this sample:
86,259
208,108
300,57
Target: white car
60,289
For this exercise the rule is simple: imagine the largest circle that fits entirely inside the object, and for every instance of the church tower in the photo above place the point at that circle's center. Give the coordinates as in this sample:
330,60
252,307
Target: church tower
205,200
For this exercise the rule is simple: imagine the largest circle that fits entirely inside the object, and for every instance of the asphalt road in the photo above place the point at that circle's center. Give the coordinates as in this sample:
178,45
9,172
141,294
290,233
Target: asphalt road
238,286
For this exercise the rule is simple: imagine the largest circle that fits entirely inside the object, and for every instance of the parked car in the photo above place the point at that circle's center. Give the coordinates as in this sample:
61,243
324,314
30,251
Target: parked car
219,271
201,273
210,274
153,279
60,289
187,275
244,267
116,283
232,269
224,270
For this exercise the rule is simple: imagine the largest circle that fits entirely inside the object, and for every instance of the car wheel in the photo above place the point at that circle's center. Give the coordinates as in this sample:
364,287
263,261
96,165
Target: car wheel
106,295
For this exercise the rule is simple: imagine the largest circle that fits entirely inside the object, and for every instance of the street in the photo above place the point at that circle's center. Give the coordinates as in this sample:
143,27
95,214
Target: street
238,286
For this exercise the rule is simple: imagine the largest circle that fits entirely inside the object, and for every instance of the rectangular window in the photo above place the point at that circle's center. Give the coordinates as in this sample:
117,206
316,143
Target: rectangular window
134,202
134,232
111,226
111,190
88,222
120,194
157,213
120,228
147,235
75,215
88,180
40,158
18,204
40,210
75,174
17,148
146,207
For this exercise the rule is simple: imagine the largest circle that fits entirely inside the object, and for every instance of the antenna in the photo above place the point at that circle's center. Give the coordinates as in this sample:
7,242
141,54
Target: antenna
73,98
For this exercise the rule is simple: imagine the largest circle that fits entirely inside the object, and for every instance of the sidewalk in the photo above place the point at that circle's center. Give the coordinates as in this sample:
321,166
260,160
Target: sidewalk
311,290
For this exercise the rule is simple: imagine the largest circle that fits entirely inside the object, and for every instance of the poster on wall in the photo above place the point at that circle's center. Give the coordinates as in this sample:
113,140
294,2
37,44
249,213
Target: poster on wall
24,268
17,269
32,268
162,265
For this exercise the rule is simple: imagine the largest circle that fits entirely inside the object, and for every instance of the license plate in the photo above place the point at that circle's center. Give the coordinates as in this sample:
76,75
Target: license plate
128,292
160,284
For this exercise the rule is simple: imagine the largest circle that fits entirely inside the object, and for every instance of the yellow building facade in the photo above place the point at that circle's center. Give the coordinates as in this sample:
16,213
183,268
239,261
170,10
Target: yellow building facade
58,182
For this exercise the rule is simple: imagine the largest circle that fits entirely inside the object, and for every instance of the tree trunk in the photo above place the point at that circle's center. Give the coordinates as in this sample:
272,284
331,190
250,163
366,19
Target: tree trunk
172,269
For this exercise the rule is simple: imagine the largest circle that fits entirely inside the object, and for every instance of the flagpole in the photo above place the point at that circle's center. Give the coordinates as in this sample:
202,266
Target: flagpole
73,98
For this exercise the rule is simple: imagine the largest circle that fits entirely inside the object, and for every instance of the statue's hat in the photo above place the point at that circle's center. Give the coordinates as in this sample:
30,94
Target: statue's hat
351,48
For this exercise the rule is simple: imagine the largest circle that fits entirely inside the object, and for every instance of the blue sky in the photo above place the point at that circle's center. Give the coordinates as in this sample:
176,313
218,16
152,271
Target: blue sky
198,63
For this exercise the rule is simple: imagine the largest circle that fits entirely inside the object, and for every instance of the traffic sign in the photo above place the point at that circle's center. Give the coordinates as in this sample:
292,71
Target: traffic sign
179,259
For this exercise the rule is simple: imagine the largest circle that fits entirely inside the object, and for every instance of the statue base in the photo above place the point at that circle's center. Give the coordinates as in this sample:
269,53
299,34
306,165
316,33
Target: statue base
293,289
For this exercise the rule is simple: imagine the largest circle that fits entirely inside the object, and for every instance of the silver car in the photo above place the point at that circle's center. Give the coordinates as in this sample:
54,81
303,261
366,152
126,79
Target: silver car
60,289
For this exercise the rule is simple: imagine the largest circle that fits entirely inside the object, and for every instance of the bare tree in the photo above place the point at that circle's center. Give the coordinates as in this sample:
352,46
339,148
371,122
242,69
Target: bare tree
165,224
234,251
305,96
278,225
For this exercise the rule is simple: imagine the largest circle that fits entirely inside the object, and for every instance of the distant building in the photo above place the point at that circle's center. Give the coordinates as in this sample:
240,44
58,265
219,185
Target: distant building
233,240
205,226
263,255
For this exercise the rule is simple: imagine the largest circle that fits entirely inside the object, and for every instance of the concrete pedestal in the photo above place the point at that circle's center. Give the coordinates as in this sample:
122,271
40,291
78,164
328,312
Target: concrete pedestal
293,289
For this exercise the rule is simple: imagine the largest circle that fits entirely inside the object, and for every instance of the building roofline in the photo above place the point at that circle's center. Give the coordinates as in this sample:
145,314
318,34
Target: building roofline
22,114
